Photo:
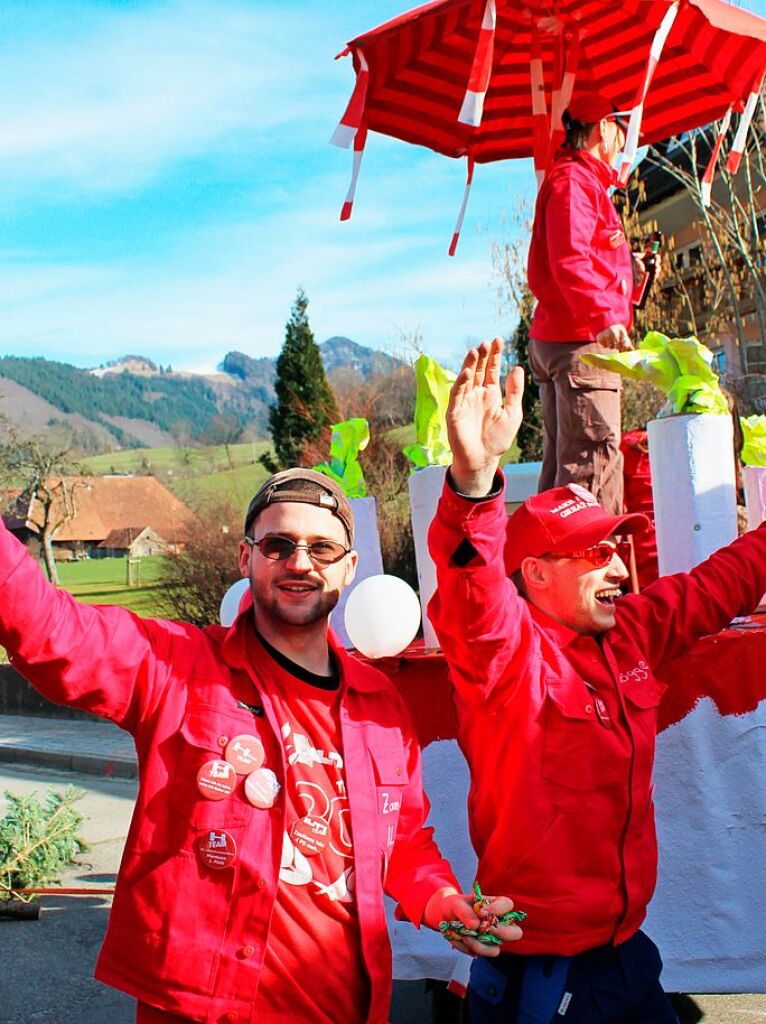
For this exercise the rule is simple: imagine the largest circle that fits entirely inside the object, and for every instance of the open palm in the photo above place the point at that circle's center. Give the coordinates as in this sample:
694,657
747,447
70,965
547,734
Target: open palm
482,423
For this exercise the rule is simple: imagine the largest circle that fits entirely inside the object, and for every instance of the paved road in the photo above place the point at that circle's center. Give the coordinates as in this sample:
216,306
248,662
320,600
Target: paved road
46,965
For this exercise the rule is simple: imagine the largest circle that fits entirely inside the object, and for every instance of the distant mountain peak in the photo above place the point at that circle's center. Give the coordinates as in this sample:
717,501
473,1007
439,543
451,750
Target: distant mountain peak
139,365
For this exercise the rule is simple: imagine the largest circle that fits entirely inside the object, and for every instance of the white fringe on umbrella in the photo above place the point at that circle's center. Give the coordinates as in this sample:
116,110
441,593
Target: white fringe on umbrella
636,115
459,225
738,146
472,110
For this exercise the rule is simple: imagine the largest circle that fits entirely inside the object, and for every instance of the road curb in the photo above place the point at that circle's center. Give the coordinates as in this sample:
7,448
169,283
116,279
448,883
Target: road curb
88,764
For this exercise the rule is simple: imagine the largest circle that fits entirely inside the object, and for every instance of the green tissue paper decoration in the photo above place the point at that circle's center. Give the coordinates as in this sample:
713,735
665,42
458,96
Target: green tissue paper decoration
753,440
348,439
680,367
433,385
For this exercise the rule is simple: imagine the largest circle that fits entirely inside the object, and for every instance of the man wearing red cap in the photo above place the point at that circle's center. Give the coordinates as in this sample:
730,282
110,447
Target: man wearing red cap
280,787
581,271
553,673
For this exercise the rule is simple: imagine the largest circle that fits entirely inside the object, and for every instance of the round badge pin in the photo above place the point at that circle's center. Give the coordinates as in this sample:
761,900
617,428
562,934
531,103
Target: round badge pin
245,753
261,788
216,780
309,835
216,848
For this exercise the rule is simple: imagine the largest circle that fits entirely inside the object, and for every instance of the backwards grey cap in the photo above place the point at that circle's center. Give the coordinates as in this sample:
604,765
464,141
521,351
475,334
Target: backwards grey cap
302,485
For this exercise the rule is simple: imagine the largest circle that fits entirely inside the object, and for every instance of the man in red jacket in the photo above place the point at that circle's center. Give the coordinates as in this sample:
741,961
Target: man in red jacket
581,271
280,788
553,674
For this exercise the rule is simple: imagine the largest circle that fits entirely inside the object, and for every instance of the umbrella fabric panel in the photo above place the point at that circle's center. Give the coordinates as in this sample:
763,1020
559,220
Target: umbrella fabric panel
420,65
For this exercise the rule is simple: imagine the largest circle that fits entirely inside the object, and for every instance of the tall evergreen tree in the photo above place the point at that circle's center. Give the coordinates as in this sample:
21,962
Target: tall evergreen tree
530,436
305,405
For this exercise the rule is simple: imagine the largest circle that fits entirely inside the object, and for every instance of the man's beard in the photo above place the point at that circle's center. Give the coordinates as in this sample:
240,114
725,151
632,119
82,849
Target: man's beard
308,613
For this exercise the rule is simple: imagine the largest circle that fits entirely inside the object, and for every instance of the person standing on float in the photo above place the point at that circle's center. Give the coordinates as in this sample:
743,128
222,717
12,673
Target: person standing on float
280,786
584,278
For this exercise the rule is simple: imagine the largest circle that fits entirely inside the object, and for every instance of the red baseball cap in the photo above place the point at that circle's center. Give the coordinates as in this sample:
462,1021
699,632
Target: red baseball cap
591,107
562,519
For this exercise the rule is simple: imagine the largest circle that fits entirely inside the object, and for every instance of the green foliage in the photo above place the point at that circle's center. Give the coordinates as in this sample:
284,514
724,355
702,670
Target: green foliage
305,405
38,840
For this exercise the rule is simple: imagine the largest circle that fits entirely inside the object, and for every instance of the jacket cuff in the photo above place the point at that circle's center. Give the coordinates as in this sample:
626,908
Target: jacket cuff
413,906
465,503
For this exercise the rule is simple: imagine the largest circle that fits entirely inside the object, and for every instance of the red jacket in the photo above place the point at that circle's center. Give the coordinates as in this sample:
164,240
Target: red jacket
182,937
580,266
559,729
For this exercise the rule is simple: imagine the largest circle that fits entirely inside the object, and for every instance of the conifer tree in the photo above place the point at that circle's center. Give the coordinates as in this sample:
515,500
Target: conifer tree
305,405
530,436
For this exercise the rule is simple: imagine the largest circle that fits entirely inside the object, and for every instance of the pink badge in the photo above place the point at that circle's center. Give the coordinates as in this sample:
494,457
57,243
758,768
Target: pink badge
245,752
216,780
309,835
261,788
216,849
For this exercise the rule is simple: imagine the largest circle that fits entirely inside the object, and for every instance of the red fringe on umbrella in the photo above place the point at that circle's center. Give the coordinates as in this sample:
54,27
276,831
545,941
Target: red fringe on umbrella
351,121
706,185
540,129
359,140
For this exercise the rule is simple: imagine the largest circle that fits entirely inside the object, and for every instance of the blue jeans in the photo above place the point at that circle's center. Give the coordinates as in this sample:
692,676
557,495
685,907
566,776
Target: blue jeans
606,985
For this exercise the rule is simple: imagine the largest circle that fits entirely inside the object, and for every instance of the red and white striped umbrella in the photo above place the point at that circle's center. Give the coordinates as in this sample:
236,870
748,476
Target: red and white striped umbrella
489,79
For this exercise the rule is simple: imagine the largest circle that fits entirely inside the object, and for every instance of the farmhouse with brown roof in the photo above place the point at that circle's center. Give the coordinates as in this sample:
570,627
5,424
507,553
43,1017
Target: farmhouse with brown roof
106,507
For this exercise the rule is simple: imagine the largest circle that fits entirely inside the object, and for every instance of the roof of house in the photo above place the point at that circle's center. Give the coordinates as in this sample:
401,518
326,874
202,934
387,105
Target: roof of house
107,503
123,537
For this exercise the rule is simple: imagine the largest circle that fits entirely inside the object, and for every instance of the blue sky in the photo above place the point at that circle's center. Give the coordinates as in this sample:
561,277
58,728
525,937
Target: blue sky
166,184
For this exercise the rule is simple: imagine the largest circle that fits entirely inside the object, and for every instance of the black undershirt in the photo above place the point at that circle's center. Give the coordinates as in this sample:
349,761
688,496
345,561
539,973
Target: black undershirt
331,682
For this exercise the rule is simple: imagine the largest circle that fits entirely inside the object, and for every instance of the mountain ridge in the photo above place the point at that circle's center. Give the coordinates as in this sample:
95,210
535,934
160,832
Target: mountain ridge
132,402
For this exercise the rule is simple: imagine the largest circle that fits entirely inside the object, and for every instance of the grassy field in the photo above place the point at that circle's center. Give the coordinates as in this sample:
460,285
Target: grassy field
177,460
104,581
195,475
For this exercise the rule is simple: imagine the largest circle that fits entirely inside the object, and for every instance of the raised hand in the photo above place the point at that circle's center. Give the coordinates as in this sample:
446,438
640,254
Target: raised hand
482,423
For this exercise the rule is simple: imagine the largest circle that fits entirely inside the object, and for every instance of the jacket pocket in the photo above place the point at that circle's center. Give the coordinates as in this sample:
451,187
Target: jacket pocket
578,753
203,736
391,777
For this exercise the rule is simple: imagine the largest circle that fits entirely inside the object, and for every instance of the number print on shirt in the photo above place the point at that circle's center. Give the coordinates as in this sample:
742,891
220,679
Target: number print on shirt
320,797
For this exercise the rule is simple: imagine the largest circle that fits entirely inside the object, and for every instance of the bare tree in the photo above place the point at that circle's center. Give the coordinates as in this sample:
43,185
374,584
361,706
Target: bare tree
48,480
726,287
197,577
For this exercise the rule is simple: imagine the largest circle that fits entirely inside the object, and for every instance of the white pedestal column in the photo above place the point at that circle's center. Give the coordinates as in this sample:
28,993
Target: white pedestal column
367,543
693,483
754,481
425,486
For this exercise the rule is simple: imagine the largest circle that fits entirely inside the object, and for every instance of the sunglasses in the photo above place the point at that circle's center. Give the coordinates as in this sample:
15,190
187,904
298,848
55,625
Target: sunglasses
599,555
279,549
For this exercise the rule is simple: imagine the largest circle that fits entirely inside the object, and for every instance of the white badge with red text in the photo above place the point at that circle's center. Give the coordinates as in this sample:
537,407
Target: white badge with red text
245,753
261,788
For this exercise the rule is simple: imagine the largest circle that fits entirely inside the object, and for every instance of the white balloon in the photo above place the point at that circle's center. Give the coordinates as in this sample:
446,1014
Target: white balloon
382,616
232,600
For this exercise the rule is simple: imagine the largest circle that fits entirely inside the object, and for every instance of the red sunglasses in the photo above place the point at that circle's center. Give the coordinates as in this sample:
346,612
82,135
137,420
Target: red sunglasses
600,554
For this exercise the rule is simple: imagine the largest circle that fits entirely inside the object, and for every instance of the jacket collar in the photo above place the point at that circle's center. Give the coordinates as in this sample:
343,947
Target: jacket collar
561,635
354,673
605,173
